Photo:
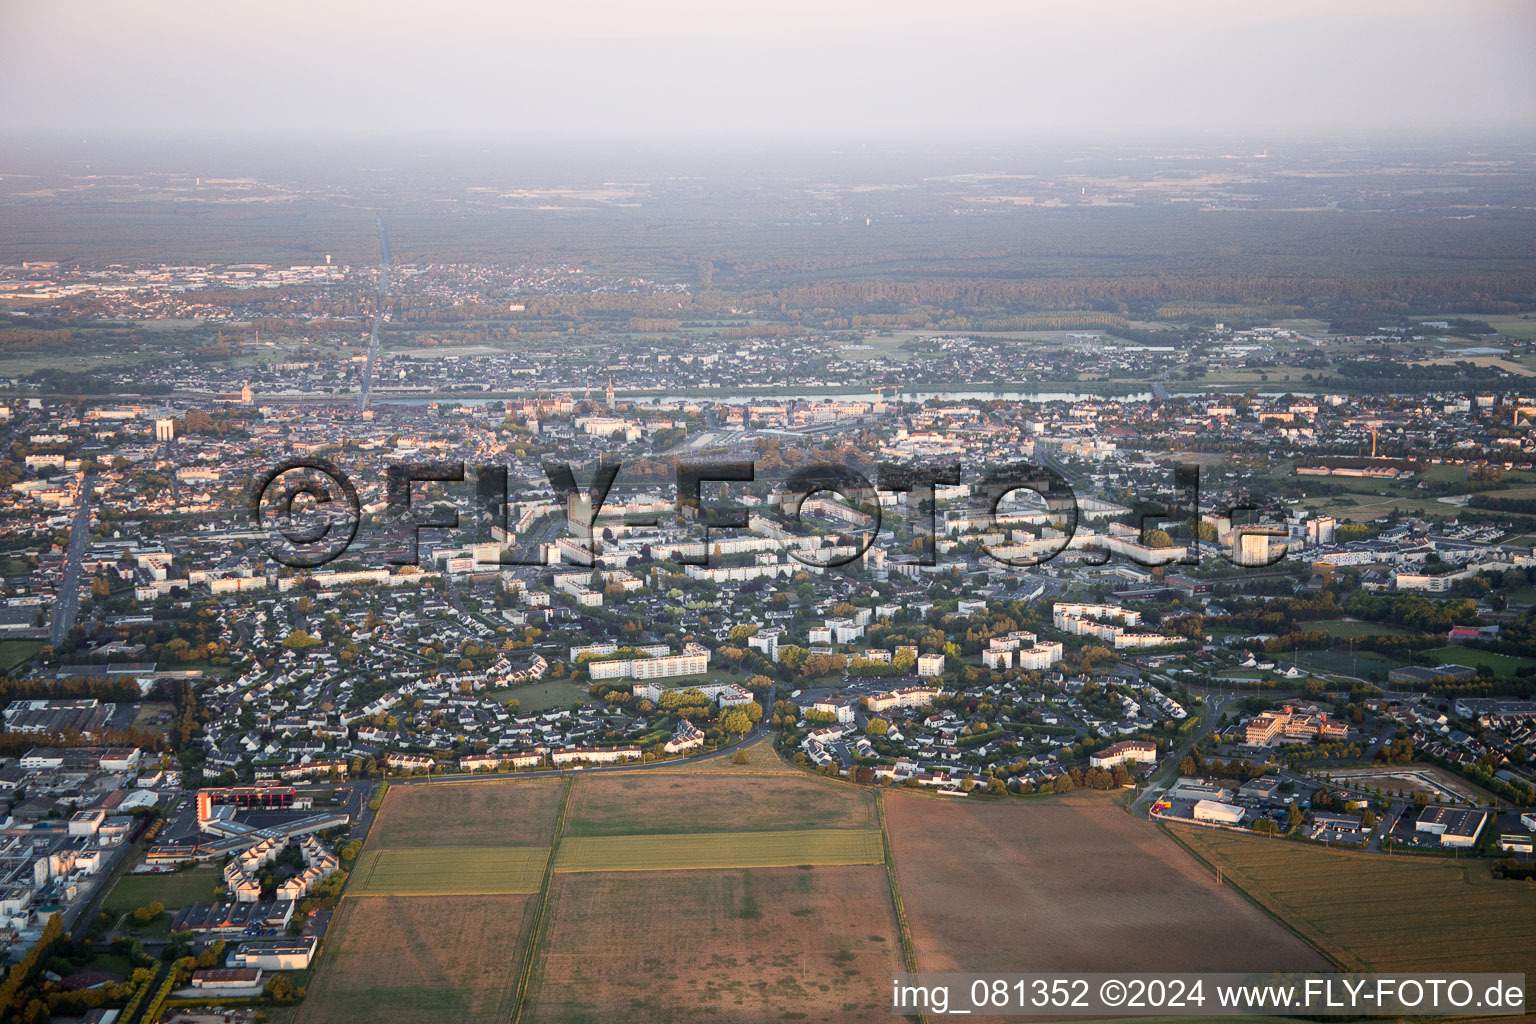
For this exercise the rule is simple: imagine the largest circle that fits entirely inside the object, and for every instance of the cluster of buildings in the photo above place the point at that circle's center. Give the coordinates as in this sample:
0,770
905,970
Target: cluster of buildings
70,815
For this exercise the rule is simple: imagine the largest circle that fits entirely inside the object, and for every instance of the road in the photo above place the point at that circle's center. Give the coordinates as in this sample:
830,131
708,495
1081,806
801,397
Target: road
758,732
1170,770
68,601
378,316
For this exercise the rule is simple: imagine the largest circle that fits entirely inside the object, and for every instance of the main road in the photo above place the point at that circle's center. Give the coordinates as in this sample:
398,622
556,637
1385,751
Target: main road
1170,770
757,732
378,315
67,603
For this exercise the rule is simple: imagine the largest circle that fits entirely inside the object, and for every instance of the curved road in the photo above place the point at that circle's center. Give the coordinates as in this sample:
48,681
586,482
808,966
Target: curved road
758,732
1170,771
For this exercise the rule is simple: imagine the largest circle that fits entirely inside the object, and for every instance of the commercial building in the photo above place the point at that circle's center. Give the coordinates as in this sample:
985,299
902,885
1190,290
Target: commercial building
1217,813
274,954
1140,751
1289,723
1456,826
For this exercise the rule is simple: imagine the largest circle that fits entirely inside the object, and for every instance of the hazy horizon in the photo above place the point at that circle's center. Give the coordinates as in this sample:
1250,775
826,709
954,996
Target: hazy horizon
852,73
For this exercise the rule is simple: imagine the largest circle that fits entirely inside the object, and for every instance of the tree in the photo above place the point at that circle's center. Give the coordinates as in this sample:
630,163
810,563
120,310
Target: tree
741,757
877,727
280,988
148,913
298,640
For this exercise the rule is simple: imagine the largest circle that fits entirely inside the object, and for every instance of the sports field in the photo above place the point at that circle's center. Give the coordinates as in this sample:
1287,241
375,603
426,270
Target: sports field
651,803
1499,664
419,960
720,850
170,889
1379,913
493,813
1071,884
717,947
450,870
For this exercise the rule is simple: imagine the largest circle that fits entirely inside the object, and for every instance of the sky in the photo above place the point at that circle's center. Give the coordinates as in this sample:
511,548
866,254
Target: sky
703,69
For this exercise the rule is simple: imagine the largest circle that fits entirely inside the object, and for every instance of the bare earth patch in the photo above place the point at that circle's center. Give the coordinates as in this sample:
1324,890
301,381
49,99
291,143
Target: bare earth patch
661,803
1071,884
468,814
420,960
746,946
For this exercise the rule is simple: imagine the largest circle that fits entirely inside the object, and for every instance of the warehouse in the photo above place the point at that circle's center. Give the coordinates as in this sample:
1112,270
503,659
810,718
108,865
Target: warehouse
1218,813
274,954
1455,826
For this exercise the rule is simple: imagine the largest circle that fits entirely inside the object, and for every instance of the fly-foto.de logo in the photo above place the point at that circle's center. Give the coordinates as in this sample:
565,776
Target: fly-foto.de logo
311,511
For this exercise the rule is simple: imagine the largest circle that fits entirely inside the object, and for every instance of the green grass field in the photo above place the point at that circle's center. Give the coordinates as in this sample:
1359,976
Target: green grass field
543,696
450,871
16,653
1350,663
720,850
171,889
1501,664
1351,629
1377,913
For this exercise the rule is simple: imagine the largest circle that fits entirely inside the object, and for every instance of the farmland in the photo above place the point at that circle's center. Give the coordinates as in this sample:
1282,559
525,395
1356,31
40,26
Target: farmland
987,888
762,759
677,803
465,871
717,946
1383,914
720,850
468,814
419,960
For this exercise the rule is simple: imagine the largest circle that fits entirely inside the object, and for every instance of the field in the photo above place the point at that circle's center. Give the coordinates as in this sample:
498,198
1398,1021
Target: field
450,871
677,803
171,889
1384,914
498,813
1352,629
420,960
762,759
16,653
1073,884
816,944
544,695
1501,664
720,850
1349,663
